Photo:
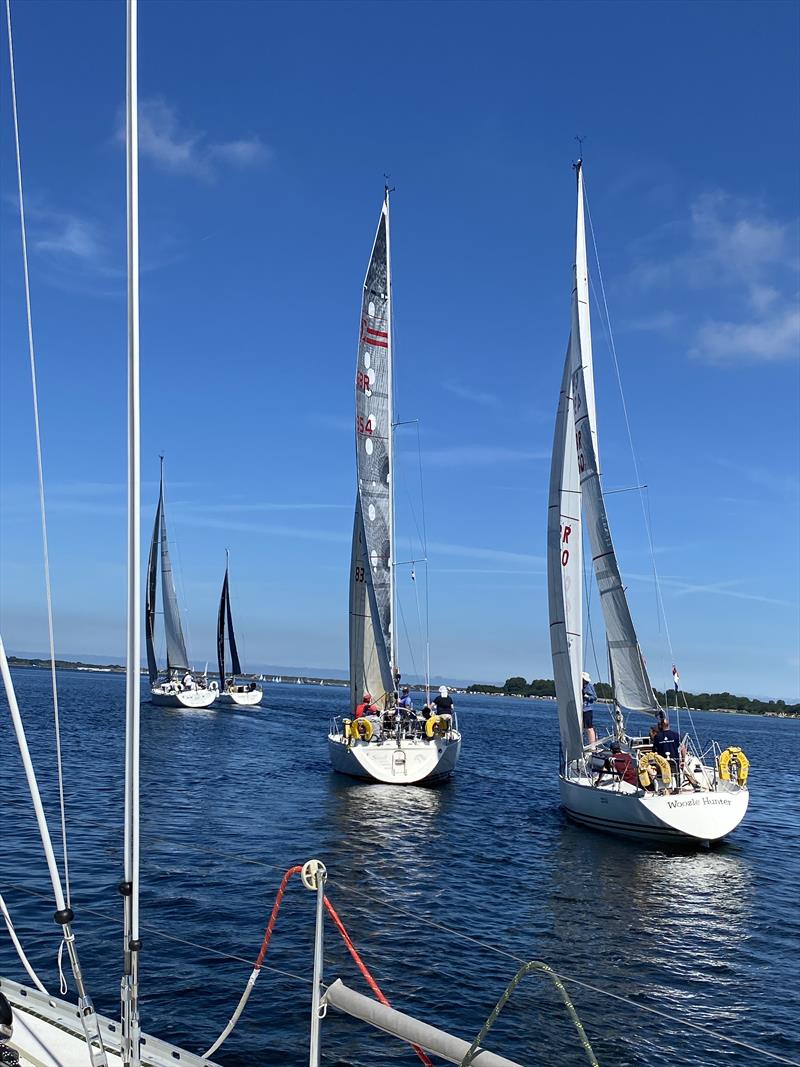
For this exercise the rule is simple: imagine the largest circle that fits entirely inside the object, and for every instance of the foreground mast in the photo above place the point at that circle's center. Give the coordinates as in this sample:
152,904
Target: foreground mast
130,885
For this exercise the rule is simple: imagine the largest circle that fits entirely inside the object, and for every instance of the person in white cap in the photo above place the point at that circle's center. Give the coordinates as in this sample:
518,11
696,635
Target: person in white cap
443,702
589,697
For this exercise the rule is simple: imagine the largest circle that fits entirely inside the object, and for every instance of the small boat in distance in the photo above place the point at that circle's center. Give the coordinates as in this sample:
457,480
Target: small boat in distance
387,743
231,691
628,788
176,687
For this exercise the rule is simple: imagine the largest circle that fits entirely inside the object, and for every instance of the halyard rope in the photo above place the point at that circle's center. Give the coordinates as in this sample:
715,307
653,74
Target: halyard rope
39,464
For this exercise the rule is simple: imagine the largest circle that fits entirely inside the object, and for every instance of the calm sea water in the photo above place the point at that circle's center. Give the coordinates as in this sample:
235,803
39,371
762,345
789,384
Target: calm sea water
230,799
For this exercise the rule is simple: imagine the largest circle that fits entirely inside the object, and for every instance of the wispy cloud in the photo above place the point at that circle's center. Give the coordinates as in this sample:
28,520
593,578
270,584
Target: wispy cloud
179,149
472,396
479,456
684,587
736,248
442,548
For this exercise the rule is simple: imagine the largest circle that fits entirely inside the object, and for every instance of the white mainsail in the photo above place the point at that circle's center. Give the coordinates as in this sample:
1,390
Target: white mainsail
565,573
632,689
371,560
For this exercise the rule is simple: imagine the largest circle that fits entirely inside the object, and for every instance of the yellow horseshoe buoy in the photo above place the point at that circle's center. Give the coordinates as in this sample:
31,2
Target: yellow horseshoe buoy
646,773
734,755
361,730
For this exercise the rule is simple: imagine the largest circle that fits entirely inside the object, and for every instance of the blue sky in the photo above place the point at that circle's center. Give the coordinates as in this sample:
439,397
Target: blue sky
266,131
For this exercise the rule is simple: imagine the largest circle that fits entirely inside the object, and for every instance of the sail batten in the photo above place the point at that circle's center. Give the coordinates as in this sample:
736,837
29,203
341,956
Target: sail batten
371,585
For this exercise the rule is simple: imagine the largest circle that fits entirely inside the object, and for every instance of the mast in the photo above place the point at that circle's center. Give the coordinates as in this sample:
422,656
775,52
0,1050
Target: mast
130,885
390,446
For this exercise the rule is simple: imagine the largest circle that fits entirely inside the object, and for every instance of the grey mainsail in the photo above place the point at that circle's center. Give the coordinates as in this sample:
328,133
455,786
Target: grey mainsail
177,658
565,573
150,599
371,584
224,617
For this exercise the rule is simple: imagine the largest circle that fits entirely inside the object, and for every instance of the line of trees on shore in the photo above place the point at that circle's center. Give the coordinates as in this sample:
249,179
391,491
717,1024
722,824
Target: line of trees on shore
545,687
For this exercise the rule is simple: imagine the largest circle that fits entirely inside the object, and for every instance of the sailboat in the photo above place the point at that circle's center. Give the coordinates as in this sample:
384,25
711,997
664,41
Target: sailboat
697,799
232,691
389,745
176,687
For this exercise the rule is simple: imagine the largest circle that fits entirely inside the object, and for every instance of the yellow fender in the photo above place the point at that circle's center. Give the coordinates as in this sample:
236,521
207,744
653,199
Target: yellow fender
346,726
743,763
361,730
646,773
437,726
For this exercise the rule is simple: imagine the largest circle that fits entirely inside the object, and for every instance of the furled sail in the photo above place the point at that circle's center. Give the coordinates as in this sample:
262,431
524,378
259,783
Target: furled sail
371,561
150,599
632,687
565,573
177,659
224,616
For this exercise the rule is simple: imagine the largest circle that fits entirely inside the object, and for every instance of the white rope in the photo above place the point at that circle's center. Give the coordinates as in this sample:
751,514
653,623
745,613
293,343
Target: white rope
39,465
12,933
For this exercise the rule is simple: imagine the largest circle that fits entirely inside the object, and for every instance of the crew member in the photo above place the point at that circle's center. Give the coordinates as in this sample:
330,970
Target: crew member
589,697
619,763
667,743
443,702
366,707
405,700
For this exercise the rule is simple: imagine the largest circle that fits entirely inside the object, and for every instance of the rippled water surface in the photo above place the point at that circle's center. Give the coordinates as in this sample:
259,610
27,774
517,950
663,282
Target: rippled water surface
230,799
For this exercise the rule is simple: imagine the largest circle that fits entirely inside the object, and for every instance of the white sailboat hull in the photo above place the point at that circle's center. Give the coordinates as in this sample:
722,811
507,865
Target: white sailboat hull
185,698
682,817
246,700
394,762
48,1033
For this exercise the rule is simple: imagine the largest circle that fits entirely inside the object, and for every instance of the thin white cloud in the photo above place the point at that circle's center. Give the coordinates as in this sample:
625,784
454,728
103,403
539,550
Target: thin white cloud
768,340
479,456
180,150
473,396
442,548
737,249
683,587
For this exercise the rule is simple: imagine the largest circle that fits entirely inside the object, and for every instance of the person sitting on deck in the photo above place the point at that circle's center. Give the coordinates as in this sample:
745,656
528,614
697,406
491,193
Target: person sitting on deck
589,697
620,765
366,707
443,702
405,700
188,681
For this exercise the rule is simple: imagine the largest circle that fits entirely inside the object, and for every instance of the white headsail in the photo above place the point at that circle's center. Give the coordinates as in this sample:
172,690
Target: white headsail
581,295
371,560
565,573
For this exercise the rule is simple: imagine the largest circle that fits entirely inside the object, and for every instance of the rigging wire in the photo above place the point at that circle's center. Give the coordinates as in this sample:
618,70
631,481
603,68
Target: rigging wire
39,461
645,504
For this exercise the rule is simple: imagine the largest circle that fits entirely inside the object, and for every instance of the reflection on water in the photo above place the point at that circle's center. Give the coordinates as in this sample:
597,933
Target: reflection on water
489,854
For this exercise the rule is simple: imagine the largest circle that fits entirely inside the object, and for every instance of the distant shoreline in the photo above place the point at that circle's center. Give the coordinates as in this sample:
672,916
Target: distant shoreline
770,709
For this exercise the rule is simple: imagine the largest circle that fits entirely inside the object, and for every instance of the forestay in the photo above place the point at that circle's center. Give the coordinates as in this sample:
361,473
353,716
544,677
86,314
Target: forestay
371,560
564,573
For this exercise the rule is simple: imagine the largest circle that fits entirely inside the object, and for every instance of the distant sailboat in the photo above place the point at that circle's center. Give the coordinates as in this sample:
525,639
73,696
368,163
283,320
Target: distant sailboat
176,687
230,690
394,745
632,790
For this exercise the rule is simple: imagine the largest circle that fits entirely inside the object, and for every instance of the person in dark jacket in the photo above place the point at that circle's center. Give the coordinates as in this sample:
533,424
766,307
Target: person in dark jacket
667,743
443,702
589,697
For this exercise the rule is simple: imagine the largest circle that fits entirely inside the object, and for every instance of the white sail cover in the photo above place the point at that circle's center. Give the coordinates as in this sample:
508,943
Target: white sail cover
565,573
370,565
